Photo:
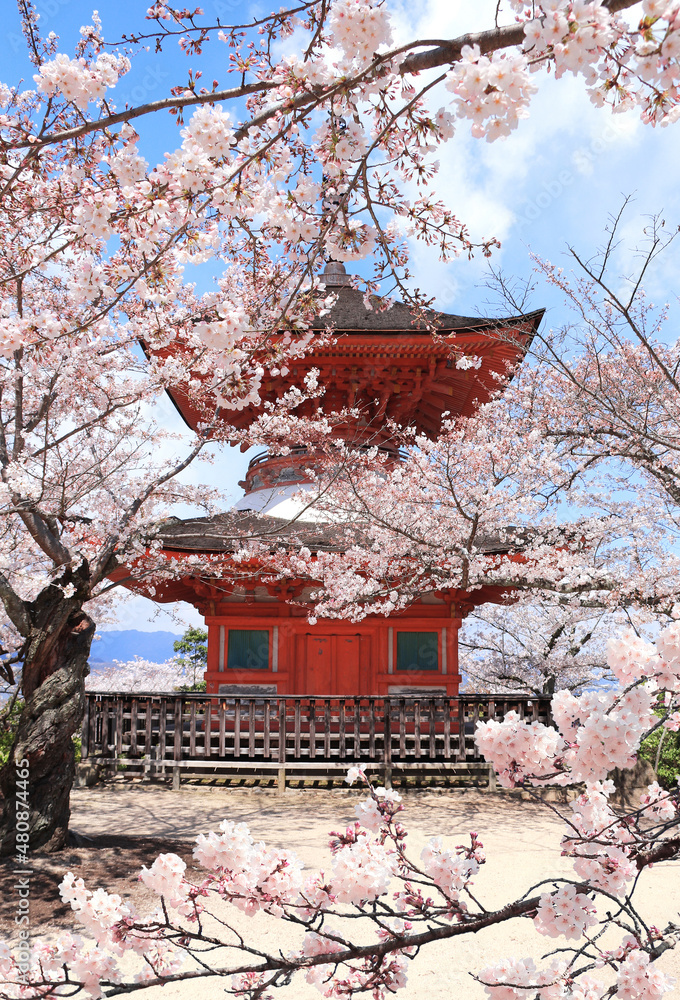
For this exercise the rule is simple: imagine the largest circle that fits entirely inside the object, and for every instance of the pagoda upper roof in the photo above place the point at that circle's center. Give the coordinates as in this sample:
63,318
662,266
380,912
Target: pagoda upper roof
388,363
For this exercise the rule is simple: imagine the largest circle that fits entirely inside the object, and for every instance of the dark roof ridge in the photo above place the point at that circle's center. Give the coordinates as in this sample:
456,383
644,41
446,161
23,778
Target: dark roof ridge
227,531
349,315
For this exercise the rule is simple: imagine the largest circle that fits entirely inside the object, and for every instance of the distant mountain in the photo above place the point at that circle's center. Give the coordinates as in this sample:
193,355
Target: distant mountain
125,644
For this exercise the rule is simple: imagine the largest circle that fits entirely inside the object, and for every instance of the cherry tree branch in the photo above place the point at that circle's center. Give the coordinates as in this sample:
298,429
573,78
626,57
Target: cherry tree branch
444,53
14,606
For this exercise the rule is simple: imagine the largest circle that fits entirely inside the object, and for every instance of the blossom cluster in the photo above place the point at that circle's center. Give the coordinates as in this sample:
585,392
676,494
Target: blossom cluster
317,944
658,803
378,810
493,93
519,978
602,731
575,34
251,876
637,979
596,730
362,871
78,80
565,913
97,911
632,658
166,878
517,748
452,871
88,963
110,923
621,67
359,28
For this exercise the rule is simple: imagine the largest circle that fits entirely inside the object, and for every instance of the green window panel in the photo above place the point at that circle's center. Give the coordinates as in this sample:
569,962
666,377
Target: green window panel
418,651
248,649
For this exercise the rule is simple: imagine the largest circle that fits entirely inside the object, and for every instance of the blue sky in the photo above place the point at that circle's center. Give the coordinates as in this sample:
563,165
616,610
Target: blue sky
551,184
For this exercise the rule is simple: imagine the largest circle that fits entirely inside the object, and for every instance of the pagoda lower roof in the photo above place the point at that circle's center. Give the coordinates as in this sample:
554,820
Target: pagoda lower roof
222,538
230,531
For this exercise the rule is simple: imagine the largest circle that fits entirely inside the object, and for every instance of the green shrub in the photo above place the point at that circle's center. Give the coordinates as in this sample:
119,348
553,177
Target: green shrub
668,768
199,686
8,728
193,650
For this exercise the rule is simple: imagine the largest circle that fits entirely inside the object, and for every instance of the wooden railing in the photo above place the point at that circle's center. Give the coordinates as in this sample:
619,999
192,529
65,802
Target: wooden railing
193,730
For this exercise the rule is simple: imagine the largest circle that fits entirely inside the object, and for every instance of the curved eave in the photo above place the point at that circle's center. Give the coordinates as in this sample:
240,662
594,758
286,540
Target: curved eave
451,331
223,534
220,536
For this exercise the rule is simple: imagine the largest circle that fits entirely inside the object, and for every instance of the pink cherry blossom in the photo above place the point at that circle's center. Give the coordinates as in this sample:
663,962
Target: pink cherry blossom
658,802
362,871
565,913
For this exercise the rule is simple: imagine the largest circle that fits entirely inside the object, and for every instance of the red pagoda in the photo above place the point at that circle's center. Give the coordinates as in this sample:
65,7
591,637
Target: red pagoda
393,368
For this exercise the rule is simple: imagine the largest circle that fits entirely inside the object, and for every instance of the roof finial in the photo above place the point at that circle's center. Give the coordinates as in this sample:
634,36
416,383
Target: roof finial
335,274
334,207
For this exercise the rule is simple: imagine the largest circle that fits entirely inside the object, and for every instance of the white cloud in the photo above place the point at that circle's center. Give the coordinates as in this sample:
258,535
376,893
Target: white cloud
439,19
553,182
147,616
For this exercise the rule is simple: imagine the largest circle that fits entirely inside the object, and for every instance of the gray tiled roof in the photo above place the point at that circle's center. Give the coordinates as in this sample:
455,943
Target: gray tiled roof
229,531
349,314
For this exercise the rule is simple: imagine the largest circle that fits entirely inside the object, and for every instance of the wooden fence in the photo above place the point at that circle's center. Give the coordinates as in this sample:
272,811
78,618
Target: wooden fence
155,732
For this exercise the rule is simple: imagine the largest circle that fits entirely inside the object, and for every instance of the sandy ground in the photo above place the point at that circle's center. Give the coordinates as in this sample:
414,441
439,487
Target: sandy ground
521,840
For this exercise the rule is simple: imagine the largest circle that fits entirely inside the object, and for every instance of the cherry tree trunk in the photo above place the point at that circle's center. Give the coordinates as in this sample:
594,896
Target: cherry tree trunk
53,688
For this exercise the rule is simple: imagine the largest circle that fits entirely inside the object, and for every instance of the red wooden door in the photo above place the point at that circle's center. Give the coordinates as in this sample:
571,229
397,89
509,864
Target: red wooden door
319,661
347,664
